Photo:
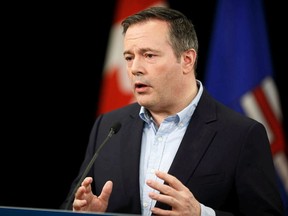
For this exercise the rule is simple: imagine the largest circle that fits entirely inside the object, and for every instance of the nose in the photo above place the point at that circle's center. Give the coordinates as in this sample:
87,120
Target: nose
137,73
137,67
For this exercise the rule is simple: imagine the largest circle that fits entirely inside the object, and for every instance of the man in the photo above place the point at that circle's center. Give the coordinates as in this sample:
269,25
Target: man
179,151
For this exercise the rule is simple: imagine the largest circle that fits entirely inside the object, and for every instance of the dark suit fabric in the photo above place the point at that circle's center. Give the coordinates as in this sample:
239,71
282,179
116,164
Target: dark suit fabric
224,159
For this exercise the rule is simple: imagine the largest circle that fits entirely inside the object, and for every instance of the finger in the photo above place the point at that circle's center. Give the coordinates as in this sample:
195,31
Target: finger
84,188
80,191
158,211
170,200
87,184
106,191
162,188
170,180
87,181
79,204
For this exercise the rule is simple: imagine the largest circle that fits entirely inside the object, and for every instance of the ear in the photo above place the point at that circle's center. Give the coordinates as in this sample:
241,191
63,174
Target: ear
189,59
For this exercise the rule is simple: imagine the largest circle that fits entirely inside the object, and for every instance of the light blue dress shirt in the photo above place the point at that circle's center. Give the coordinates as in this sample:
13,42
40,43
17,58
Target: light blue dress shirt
159,147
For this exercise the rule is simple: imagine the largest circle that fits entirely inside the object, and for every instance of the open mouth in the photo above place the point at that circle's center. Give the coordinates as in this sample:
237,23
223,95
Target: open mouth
141,87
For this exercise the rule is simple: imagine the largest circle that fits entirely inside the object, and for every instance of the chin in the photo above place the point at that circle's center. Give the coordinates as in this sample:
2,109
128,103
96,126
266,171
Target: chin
145,100
143,103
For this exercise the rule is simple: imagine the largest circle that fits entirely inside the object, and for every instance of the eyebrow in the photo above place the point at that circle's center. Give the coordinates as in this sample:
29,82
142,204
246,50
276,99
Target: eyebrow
142,50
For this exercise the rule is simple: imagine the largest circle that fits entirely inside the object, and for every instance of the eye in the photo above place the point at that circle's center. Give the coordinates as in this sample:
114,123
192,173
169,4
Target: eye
149,55
128,58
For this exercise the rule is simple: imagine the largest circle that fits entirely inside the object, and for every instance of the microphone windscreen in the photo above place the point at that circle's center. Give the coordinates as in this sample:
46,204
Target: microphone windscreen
116,127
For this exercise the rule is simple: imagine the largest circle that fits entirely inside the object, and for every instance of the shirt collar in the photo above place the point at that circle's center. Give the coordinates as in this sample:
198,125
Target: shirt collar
183,116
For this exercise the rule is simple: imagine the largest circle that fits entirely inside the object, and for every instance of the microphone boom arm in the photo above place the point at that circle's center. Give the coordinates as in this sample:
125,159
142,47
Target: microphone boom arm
113,130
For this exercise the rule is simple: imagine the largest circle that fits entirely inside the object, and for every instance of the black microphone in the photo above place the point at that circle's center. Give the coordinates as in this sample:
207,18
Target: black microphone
113,130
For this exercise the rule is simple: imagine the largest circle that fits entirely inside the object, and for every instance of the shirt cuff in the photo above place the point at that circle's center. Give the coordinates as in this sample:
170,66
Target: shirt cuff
206,211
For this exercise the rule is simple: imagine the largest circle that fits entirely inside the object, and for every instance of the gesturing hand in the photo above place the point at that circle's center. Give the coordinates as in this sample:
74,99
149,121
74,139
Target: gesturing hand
174,194
85,200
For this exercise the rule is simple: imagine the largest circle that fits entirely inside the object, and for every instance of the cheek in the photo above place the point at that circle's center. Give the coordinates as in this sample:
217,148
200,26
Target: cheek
166,82
129,73
131,81
172,74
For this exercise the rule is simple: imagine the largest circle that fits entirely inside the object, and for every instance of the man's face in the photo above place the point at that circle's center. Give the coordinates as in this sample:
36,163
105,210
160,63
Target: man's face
155,73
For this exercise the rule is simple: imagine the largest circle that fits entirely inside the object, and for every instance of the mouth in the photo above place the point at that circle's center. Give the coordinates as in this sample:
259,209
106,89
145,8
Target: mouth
140,87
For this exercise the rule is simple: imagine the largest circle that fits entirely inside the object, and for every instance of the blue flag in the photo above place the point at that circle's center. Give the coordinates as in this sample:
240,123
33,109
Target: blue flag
239,73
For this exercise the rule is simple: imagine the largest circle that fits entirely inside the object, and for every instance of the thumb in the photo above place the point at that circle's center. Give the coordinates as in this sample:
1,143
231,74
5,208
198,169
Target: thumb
106,191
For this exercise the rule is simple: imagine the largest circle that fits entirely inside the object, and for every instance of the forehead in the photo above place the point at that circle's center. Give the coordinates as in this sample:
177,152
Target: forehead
151,33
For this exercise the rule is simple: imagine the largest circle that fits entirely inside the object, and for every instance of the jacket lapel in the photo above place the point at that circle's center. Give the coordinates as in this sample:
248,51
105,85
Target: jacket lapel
130,156
195,143
196,140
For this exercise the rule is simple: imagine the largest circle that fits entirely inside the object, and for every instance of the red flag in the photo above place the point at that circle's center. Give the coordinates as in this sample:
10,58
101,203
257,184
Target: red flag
115,89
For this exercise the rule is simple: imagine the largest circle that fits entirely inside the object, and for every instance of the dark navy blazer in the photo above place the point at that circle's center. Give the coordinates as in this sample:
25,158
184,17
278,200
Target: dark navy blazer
224,159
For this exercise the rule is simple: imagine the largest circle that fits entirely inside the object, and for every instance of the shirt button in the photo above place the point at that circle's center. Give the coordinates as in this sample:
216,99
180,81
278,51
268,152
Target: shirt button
145,204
